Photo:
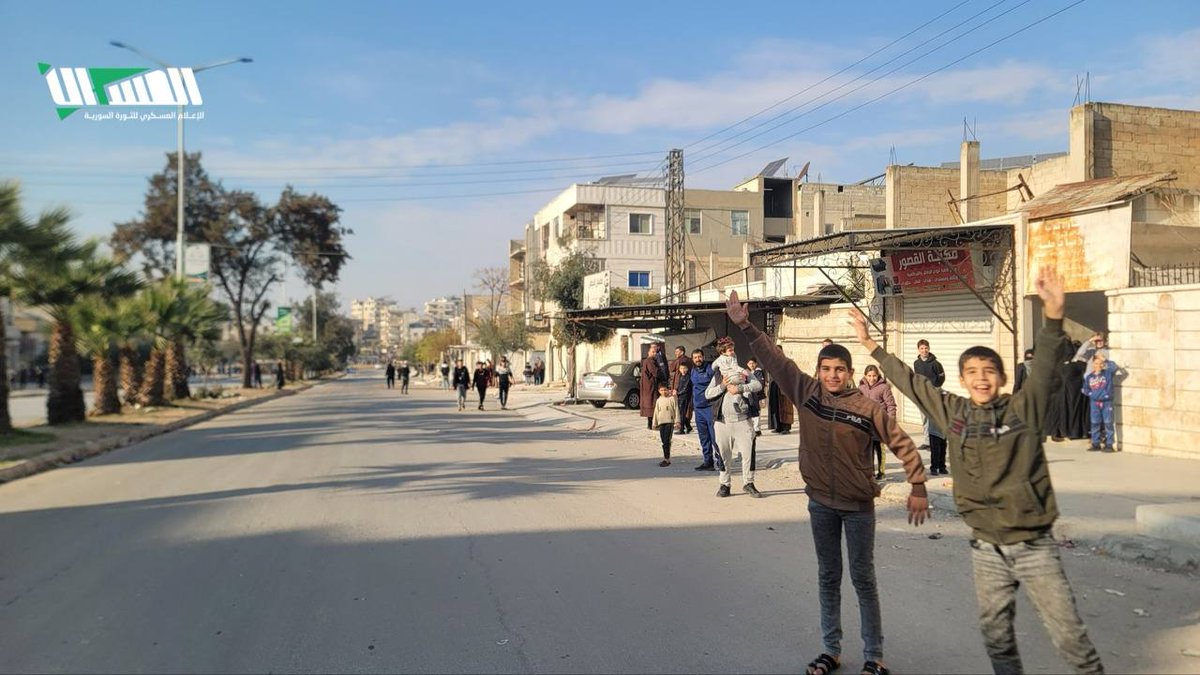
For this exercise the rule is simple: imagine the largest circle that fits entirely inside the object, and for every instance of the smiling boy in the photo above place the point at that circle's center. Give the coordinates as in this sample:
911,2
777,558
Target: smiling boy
1002,485
837,426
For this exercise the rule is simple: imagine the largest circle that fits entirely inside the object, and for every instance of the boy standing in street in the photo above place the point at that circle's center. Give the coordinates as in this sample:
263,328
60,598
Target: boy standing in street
836,428
665,414
927,365
1002,486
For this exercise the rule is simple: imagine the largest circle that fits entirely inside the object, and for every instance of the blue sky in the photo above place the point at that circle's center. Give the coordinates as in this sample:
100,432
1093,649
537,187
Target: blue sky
411,115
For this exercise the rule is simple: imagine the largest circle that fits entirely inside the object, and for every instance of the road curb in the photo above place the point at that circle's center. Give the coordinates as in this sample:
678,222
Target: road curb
899,492
53,460
1161,553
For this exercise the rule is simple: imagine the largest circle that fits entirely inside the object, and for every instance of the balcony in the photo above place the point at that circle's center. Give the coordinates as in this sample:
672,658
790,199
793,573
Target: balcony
516,249
585,222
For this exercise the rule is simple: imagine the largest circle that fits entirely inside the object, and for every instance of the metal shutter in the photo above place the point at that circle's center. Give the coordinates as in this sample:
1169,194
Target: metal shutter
951,322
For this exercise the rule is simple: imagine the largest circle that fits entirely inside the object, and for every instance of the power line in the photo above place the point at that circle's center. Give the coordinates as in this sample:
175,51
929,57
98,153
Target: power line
900,88
816,84
867,84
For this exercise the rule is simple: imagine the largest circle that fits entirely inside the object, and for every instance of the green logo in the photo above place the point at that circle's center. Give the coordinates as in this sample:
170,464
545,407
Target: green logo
75,88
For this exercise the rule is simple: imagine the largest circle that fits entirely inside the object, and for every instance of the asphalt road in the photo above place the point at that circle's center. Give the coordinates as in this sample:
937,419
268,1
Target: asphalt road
349,529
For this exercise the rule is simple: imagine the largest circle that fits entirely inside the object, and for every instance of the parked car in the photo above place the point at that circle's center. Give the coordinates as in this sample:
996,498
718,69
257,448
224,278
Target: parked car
615,382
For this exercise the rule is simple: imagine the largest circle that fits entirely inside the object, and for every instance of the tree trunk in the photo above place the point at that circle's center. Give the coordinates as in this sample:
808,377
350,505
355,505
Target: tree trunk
176,386
248,367
5,419
152,384
64,404
131,374
107,402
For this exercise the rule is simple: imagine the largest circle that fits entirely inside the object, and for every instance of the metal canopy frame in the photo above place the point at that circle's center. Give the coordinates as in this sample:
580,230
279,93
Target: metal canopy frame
995,240
681,315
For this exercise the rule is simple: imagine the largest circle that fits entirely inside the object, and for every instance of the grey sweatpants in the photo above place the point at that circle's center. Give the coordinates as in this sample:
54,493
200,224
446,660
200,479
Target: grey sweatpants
734,439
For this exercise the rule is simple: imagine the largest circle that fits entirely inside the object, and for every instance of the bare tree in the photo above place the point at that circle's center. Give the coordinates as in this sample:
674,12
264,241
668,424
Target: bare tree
494,282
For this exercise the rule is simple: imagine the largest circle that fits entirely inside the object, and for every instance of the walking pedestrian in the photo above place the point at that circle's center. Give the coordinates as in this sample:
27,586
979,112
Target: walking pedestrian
279,375
527,372
1006,497
732,393
927,364
481,379
874,387
258,375
666,412
539,372
1098,387
503,381
444,371
701,375
390,374
461,381
648,385
405,372
836,428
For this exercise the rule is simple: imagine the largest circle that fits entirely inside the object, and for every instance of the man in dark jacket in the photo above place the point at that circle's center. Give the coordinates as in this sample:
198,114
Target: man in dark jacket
701,374
461,381
928,366
390,374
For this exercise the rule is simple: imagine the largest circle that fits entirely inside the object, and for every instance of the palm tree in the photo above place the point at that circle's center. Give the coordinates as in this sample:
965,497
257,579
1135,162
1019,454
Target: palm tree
21,243
134,331
197,319
69,273
159,303
97,327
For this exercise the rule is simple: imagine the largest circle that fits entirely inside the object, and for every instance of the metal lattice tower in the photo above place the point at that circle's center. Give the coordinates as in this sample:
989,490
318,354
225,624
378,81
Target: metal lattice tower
676,244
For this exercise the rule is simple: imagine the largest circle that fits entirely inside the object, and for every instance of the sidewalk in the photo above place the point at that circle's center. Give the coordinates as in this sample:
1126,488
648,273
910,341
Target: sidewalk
1098,493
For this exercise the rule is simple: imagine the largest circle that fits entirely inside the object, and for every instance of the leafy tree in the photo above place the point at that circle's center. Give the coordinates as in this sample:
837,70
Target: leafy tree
432,346
503,335
69,274
563,285
336,332
249,242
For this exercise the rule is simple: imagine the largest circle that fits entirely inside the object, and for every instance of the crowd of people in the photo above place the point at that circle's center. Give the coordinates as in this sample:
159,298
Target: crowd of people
1004,495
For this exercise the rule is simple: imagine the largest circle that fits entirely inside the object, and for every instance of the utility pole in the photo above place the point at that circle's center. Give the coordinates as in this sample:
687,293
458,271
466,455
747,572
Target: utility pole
676,242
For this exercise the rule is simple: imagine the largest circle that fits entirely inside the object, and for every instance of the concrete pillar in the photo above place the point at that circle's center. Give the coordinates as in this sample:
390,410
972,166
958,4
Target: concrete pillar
818,210
892,197
1081,163
968,180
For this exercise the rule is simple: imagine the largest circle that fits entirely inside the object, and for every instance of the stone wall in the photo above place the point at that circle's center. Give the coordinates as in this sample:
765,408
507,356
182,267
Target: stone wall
1155,338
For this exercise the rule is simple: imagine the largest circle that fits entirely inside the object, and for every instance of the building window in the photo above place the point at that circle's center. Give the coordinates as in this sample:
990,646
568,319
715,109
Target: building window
739,222
641,223
639,280
557,228
692,218
545,237
828,228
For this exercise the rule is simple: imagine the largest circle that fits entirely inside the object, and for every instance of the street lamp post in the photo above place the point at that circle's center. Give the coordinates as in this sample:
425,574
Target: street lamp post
179,146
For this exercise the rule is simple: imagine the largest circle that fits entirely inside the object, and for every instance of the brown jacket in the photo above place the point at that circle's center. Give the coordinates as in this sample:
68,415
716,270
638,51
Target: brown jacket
836,430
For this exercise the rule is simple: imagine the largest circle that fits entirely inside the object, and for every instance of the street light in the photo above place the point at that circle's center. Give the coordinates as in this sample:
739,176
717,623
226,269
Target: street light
179,147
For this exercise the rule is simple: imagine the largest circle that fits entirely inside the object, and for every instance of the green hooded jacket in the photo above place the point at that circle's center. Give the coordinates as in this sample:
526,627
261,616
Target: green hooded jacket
1001,478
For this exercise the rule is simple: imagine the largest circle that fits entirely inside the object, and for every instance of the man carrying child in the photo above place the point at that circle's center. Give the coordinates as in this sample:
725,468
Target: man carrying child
836,428
1002,485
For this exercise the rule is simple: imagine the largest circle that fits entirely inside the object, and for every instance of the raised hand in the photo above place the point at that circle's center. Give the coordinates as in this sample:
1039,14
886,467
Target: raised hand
861,329
1050,289
736,310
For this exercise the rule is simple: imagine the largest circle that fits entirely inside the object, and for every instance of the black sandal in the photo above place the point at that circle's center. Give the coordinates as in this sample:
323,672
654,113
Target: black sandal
825,663
875,668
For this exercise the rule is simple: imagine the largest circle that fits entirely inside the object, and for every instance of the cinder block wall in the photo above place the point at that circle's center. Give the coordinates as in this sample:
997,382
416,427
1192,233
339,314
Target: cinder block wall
1155,337
1129,139
917,195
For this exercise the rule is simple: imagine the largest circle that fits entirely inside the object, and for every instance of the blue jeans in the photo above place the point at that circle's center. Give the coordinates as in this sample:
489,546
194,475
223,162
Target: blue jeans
1102,414
704,430
999,571
827,525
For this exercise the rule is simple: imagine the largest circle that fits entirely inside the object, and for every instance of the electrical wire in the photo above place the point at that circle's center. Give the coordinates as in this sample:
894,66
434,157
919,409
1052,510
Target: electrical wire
897,89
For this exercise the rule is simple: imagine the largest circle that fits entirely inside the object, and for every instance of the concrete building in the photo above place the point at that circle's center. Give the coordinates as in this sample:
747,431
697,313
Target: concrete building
443,311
